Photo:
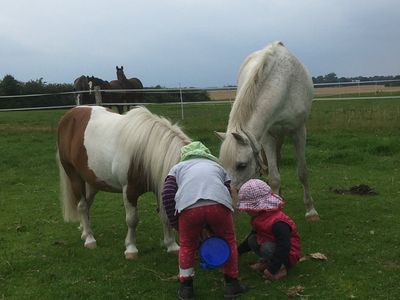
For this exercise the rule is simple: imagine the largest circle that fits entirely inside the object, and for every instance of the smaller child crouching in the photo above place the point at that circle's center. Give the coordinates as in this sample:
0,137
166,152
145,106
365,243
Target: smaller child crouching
274,237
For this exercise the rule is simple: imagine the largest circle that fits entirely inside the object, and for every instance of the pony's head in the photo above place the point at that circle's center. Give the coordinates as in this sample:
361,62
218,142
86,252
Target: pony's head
240,154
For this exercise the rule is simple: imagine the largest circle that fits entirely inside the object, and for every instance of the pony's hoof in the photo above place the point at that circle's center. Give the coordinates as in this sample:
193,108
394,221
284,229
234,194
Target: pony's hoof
175,251
131,255
312,218
173,248
91,245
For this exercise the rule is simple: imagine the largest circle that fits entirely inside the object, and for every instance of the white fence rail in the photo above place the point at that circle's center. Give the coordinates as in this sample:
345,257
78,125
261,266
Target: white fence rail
360,90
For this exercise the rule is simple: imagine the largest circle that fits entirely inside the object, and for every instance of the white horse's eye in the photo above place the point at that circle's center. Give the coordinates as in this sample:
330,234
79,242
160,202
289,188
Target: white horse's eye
241,166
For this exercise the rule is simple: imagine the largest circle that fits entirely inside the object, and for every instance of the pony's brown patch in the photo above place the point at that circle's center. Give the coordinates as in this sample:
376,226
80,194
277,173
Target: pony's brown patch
137,182
72,152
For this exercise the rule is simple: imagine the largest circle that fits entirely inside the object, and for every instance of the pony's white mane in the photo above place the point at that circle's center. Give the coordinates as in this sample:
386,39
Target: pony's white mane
152,143
250,80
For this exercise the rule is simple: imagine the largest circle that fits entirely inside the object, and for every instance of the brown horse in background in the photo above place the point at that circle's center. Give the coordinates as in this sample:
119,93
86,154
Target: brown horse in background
89,84
100,84
81,85
86,85
132,84
106,97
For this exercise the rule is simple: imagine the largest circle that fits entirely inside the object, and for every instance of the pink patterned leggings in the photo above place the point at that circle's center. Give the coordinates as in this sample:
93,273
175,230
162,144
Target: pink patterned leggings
191,222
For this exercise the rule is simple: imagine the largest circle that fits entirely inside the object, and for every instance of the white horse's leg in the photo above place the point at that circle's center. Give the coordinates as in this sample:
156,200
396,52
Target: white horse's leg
83,208
132,220
169,237
274,178
299,139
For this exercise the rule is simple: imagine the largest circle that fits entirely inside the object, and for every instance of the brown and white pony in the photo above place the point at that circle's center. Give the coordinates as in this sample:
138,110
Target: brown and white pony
99,150
273,100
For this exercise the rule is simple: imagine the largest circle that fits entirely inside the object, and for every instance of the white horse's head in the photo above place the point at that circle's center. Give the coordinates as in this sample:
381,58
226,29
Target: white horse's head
240,154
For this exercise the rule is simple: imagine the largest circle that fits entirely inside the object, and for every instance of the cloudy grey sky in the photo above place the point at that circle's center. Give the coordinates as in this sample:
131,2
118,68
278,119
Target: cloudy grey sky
199,43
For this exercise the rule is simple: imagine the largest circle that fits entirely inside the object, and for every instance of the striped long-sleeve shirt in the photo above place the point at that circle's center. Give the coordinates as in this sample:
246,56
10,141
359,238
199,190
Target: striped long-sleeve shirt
168,199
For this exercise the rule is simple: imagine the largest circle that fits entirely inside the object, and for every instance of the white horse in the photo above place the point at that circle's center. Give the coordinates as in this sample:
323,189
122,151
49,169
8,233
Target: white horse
273,99
99,150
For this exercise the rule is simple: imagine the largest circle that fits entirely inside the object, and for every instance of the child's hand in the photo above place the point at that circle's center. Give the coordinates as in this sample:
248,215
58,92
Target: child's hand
282,273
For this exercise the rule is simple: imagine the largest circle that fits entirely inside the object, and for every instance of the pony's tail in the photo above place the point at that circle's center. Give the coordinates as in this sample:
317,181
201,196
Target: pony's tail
67,198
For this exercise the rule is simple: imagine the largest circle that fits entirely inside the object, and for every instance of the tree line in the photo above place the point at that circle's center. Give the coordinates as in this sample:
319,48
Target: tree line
332,78
9,86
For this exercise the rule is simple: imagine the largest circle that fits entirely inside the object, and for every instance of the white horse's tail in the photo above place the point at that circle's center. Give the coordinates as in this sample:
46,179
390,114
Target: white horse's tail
67,198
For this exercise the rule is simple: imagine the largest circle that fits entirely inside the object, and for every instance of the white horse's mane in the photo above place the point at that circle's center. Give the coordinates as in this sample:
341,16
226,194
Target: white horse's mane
153,144
250,80
229,148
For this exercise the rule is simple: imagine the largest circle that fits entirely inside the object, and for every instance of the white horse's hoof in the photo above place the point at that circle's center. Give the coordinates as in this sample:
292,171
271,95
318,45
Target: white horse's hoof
91,245
131,255
312,215
90,242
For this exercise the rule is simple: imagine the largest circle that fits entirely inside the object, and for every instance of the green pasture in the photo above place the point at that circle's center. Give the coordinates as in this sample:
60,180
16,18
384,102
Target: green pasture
349,143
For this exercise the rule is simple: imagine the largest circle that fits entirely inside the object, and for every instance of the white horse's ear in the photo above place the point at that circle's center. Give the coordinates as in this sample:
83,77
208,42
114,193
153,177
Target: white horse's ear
240,139
220,135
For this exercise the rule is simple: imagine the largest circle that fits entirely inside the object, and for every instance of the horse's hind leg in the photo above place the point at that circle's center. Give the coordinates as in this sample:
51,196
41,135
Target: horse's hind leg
84,208
299,139
83,198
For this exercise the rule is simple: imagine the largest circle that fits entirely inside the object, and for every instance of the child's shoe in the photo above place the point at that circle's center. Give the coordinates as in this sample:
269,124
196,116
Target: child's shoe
282,273
233,288
186,291
259,266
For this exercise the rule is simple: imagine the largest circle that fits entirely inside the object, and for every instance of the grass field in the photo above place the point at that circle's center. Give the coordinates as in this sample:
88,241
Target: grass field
349,143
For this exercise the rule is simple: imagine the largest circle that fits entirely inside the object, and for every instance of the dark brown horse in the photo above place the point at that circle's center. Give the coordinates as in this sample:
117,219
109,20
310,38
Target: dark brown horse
81,85
97,83
131,84
86,86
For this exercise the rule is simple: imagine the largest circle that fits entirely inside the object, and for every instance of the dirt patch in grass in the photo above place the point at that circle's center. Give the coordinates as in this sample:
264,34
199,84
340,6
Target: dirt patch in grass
362,189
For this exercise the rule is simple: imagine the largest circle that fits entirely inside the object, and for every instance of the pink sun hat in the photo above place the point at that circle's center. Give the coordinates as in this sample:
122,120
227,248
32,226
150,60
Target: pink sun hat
256,195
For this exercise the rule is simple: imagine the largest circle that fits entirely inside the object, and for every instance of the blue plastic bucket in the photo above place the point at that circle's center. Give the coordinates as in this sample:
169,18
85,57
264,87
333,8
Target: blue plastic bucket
214,252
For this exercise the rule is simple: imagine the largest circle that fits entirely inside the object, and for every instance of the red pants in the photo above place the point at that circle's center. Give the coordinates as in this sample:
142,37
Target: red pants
191,222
